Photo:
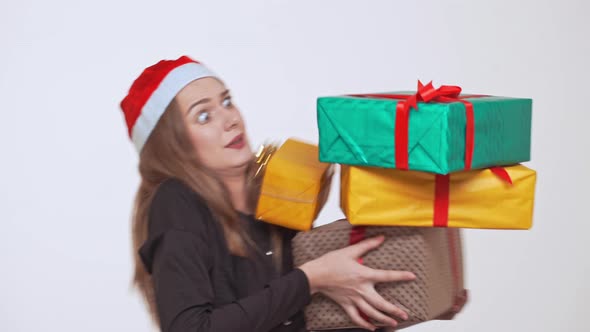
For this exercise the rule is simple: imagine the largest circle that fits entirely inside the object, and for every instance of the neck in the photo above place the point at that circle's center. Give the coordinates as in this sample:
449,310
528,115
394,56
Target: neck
236,185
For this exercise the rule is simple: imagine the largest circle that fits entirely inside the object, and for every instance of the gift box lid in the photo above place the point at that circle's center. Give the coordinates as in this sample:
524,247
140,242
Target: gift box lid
294,172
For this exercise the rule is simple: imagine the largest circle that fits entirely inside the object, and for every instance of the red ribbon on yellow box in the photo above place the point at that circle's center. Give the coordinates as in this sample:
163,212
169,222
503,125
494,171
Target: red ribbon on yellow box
427,93
441,195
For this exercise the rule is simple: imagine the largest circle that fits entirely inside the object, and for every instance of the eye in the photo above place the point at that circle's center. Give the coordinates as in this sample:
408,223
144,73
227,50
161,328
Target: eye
203,117
226,102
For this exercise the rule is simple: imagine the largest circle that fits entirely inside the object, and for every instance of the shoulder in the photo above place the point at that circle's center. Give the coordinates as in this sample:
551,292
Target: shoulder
171,189
175,206
178,223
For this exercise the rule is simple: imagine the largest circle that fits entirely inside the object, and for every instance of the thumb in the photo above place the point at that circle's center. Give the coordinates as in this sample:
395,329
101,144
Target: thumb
359,249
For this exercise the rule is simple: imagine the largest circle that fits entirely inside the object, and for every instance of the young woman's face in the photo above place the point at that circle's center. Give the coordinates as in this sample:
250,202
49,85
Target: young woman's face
215,126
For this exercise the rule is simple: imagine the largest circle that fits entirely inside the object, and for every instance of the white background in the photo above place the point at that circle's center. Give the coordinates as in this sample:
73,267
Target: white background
68,171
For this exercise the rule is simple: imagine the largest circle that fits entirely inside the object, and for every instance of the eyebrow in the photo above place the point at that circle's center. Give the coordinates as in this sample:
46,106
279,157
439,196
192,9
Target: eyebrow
205,100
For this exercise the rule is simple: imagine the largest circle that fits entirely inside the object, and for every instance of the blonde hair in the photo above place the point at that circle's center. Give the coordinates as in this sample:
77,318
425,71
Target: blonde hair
168,153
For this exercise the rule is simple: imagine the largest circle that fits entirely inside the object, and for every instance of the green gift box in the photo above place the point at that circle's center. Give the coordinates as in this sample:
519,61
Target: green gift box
444,130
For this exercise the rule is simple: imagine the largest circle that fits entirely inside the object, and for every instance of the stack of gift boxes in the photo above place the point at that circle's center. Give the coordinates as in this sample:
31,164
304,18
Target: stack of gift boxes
416,167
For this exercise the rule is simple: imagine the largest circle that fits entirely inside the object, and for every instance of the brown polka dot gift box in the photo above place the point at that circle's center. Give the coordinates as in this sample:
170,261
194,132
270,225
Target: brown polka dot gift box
434,255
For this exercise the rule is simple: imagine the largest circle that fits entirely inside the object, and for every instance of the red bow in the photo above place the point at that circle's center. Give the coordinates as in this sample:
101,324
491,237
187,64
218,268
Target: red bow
427,93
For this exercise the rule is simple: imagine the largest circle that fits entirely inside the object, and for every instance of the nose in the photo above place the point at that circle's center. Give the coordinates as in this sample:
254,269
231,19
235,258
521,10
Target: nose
232,120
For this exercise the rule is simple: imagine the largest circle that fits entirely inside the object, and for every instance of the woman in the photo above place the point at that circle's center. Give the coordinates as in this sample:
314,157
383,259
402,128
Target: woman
202,262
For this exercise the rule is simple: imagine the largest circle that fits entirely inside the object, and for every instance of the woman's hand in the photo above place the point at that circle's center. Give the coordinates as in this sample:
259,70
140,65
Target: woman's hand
339,276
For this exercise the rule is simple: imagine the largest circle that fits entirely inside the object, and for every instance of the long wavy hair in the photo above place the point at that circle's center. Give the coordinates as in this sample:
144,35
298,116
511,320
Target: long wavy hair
168,153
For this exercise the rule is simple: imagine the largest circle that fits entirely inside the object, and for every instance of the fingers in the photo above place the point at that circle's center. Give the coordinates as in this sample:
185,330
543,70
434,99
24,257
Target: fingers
378,302
371,312
359,249
389,275
356,318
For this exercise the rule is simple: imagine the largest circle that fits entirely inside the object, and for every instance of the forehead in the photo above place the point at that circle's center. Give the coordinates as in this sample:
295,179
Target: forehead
207,87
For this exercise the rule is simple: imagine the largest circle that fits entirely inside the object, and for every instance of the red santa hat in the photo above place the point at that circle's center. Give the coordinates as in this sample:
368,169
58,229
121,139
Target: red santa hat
152,92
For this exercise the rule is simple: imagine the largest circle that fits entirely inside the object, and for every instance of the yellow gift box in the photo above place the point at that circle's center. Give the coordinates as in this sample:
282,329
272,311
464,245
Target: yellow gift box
295,186
481,198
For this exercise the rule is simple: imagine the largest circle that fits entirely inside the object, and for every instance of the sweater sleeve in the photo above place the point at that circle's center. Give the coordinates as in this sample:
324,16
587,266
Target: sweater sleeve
179,258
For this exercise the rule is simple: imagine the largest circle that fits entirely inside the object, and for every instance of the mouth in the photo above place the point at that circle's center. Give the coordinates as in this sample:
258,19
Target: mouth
236,143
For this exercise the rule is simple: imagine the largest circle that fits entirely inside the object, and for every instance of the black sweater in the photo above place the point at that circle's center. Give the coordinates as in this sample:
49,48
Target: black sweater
200,286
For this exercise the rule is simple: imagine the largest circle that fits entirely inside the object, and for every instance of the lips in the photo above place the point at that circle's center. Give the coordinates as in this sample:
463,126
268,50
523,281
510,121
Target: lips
237,142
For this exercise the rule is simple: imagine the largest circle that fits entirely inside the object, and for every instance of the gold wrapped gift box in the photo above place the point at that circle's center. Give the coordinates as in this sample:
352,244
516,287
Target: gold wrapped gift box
295,185
471,199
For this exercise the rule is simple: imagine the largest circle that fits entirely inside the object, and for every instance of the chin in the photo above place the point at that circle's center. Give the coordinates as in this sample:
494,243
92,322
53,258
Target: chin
242,157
